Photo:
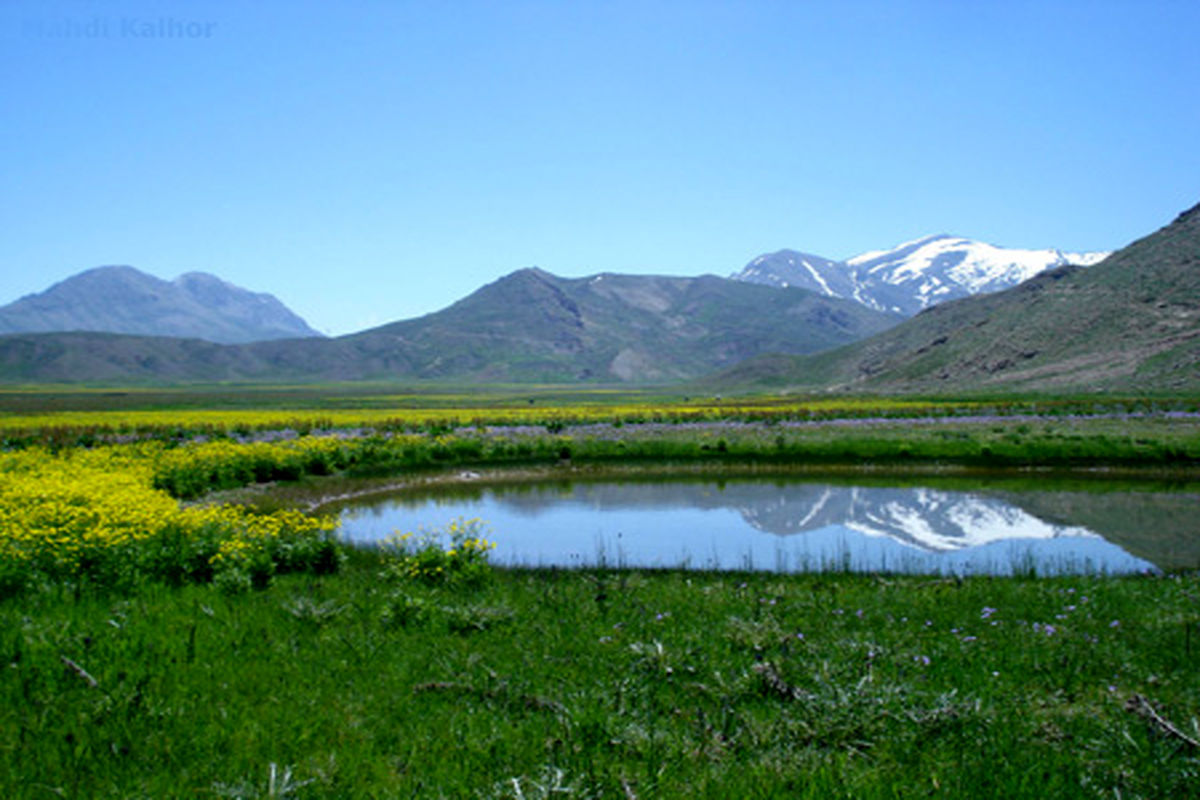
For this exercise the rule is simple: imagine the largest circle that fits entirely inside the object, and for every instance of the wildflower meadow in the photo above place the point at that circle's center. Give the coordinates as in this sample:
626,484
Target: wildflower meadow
173,624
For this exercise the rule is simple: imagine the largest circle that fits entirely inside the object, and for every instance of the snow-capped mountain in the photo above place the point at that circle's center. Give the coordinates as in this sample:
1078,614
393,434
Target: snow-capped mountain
911,276
788,268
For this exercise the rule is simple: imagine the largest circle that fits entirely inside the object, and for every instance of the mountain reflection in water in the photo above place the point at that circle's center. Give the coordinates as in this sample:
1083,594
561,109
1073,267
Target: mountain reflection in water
791,525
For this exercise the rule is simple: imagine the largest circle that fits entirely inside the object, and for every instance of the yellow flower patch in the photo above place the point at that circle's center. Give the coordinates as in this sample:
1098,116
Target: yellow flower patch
62,512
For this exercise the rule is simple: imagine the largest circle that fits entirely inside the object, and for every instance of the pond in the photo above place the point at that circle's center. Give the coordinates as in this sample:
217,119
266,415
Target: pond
984,525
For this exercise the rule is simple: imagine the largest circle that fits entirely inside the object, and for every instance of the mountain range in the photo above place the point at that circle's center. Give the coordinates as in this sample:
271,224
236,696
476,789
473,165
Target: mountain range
125,300
527,326
912,276
196,305
1130,322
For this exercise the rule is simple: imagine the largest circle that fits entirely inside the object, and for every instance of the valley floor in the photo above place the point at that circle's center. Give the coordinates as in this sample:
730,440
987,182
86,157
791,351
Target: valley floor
156,642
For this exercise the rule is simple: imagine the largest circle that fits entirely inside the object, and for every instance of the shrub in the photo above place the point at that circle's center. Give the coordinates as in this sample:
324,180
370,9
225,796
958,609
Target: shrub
421,557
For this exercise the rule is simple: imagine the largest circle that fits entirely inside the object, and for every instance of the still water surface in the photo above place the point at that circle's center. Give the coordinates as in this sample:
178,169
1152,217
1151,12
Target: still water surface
787,524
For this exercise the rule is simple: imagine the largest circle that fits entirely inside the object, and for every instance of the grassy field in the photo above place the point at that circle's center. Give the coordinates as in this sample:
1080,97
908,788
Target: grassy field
158,641
66,416
371,683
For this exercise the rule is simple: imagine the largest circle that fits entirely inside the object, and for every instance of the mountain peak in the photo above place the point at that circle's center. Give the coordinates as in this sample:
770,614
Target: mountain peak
532,272
122,272
200,279
1130,322
901,249
913,275
793,269
123,299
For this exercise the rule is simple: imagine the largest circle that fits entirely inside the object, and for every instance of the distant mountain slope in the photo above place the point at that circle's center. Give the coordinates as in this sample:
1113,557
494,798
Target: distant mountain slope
121,358
125,300
527,326
1132,322
912,276
534,326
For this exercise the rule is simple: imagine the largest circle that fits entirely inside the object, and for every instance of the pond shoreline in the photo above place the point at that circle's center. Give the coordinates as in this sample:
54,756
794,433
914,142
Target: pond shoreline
1086,449
962,518
486,476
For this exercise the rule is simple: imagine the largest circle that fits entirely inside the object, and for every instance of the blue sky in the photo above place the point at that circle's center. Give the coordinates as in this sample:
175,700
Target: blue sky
368,161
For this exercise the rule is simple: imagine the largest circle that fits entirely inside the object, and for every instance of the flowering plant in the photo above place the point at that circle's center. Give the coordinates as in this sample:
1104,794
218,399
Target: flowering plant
462,561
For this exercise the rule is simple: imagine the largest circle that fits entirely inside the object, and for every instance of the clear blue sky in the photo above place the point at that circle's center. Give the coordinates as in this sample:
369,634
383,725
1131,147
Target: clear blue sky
372,160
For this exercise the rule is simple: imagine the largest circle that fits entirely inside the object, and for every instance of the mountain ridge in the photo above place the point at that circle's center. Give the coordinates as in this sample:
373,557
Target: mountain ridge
528,326
122,299
913,275
1131,321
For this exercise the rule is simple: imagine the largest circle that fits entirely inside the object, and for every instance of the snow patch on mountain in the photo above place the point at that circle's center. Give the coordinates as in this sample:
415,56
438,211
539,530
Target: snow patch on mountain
913,275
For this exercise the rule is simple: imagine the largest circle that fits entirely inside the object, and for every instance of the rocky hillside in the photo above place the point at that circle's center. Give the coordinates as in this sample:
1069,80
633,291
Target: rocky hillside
1130,322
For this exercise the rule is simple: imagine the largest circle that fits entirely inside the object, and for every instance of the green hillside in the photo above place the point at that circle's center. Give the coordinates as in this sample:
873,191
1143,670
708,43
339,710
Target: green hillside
527,326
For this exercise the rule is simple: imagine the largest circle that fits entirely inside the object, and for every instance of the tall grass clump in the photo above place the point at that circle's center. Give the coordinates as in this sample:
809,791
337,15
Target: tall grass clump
454,557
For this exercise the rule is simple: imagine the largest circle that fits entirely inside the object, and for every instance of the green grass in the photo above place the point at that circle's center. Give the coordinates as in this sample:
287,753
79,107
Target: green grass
609,684
624,684
1129,444
41,398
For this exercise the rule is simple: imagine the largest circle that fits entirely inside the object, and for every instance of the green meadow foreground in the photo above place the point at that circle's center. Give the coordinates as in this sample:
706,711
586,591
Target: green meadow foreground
377,683
157,640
